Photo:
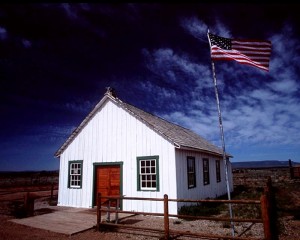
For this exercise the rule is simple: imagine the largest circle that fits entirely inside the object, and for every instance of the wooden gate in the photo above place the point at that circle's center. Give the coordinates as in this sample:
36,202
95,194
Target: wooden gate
107,181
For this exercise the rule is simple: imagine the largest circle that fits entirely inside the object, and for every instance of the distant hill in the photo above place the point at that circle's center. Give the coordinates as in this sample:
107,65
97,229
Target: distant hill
262,164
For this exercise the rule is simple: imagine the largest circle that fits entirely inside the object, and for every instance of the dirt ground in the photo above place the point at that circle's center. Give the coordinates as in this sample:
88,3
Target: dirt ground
288,203
289,228
10,230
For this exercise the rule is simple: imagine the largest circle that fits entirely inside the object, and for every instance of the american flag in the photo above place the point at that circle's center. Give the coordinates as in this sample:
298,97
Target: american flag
252,52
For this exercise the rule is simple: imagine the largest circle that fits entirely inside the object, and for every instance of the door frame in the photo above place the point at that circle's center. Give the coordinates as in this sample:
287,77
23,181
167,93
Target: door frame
97,164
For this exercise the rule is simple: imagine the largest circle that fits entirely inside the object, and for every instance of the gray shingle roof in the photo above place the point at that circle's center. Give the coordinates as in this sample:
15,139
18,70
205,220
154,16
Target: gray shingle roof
181,137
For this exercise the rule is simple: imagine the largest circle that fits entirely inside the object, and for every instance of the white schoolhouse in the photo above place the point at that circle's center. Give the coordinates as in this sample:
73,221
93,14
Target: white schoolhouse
119,149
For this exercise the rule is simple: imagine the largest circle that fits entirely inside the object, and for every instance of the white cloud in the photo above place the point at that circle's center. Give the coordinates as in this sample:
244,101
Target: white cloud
71,11
285,86
195,27
258,108
221,30
160,92
80,106
175,68
26,43
3,33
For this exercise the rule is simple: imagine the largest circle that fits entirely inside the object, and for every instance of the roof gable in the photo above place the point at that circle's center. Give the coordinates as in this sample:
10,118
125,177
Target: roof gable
181,137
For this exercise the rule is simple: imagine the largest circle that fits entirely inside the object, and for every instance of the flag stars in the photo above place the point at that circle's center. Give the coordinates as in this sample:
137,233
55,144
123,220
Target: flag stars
221,42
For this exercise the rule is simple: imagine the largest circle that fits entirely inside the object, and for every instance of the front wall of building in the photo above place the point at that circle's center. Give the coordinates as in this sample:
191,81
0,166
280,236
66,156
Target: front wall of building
115,136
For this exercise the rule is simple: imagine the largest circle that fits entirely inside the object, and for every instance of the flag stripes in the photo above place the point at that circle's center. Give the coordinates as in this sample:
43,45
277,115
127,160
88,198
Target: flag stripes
252,52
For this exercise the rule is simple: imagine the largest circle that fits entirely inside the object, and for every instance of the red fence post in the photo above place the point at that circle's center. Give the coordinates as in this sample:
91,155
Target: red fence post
29,204
265,216
166,216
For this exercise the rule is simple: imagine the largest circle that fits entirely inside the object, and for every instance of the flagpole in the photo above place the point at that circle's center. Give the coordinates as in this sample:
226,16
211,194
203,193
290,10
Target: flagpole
222,138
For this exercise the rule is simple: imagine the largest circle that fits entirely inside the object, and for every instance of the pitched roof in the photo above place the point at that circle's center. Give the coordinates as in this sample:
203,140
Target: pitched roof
181,137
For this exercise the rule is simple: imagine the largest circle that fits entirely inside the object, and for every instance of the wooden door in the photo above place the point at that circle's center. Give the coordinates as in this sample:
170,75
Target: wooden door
108,182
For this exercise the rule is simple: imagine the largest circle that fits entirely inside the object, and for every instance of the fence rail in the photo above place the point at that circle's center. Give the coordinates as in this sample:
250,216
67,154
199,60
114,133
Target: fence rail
265,202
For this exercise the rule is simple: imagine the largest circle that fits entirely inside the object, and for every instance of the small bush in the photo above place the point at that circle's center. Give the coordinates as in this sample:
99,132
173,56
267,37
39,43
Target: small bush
177,221
201,209
52,202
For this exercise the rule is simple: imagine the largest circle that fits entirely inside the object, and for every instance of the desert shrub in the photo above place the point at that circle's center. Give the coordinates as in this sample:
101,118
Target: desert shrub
201,209
244,192
52,202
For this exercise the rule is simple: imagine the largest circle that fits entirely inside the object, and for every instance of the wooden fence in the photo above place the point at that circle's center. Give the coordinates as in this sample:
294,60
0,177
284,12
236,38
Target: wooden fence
28,196
294,171
266,202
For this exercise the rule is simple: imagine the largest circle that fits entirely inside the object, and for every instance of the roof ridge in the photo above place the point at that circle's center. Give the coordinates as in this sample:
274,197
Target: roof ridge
180,136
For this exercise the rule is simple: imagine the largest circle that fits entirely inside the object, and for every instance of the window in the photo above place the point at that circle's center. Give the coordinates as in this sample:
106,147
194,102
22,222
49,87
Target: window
191,173
148,177
218,172
205,171
75,174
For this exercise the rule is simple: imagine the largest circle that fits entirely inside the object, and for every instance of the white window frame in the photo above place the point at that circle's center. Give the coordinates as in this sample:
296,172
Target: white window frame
148,173
218,170
191,172
206,177
75,174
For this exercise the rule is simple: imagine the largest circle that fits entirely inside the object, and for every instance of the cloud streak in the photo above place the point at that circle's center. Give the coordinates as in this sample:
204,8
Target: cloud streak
263,113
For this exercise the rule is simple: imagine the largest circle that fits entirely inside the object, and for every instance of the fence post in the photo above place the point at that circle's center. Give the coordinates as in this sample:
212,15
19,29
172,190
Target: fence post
291,169
98,200
272,208
166,216
29,204
52,187
117,209
269,212
265,216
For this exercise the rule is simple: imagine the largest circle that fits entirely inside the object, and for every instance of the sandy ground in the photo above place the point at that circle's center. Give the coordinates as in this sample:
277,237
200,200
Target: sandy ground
290,229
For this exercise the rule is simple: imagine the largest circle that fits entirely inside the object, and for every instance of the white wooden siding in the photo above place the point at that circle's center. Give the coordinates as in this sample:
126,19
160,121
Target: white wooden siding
201,191
113,135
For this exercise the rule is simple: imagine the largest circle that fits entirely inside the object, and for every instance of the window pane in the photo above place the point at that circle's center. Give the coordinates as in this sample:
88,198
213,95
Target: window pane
205,171
148,174
75,174
191,173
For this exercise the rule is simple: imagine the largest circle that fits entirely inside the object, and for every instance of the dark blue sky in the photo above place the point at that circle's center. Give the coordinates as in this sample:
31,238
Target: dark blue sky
57,59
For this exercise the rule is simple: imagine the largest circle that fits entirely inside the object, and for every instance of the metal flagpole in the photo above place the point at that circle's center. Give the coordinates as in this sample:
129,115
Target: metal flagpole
222,138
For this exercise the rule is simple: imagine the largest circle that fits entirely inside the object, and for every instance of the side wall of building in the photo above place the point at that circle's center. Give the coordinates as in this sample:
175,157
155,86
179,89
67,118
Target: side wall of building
201,190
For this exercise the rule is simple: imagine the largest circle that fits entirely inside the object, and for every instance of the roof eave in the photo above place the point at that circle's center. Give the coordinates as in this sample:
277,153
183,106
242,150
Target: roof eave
202,150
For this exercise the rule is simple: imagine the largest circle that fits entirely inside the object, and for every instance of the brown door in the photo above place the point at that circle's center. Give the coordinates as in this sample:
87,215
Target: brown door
108,182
